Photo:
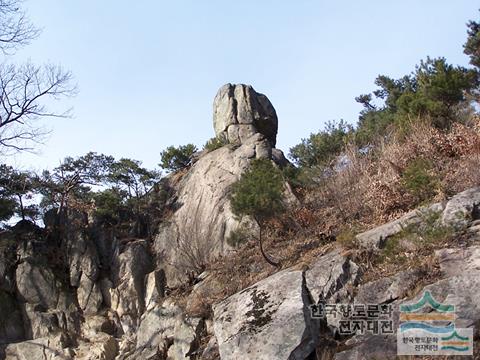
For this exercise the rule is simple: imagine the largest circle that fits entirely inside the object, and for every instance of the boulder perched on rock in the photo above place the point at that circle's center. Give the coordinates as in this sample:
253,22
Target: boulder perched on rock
202,219
240,112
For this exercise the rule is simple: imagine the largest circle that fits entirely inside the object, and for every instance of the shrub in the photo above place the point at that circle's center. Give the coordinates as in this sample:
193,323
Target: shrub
417,179
297,177
195,248
429,233
214,144
393,251
320,148
372,124
258,193
176,158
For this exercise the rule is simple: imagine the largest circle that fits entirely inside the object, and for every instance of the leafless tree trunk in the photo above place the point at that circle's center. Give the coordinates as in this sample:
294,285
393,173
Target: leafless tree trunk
267,257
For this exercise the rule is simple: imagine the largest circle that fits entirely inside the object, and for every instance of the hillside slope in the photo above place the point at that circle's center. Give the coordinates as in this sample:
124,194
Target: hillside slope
77,291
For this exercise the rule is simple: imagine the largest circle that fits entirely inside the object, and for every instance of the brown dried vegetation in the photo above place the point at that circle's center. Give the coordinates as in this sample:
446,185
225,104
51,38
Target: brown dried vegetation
370,190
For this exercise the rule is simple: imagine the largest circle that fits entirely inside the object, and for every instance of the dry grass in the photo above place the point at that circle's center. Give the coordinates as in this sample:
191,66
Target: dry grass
371,189
241,268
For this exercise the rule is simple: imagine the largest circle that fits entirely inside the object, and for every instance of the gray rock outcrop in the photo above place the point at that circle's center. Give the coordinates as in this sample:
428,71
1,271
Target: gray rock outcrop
460,268
127,297
456,213
240,112
375,238
272,319
202,218
48,348
461,208
166,328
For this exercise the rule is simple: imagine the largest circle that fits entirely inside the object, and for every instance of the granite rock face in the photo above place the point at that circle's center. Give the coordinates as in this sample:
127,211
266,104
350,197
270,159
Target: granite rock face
460,272
202,218
240,112
76,291
127,297
376,238
461,208
272,319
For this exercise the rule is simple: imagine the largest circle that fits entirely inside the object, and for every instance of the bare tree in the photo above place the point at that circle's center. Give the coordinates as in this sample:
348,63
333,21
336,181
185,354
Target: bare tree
16,30
196,246
25,89
23,92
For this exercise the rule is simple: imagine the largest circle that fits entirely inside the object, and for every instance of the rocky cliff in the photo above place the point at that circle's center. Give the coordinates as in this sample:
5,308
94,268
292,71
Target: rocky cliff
76,291
202,219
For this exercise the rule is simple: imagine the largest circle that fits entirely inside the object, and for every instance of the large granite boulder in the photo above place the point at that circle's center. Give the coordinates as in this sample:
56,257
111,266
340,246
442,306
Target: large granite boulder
462,208
252,324
202,219
271,319
240,112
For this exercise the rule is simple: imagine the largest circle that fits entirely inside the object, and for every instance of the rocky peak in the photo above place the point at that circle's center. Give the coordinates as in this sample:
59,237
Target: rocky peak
240,112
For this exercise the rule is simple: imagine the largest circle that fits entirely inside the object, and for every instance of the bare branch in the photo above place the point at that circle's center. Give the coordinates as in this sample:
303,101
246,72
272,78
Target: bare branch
16,30
24,91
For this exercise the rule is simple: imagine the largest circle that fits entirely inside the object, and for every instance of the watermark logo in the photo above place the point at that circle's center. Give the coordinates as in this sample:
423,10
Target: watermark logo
357,318
427,327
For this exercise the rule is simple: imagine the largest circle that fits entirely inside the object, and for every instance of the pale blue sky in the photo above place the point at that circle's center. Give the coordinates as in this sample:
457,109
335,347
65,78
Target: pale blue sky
147,71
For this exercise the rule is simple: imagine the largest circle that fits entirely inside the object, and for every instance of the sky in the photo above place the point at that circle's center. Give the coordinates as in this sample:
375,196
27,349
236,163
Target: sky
147,71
